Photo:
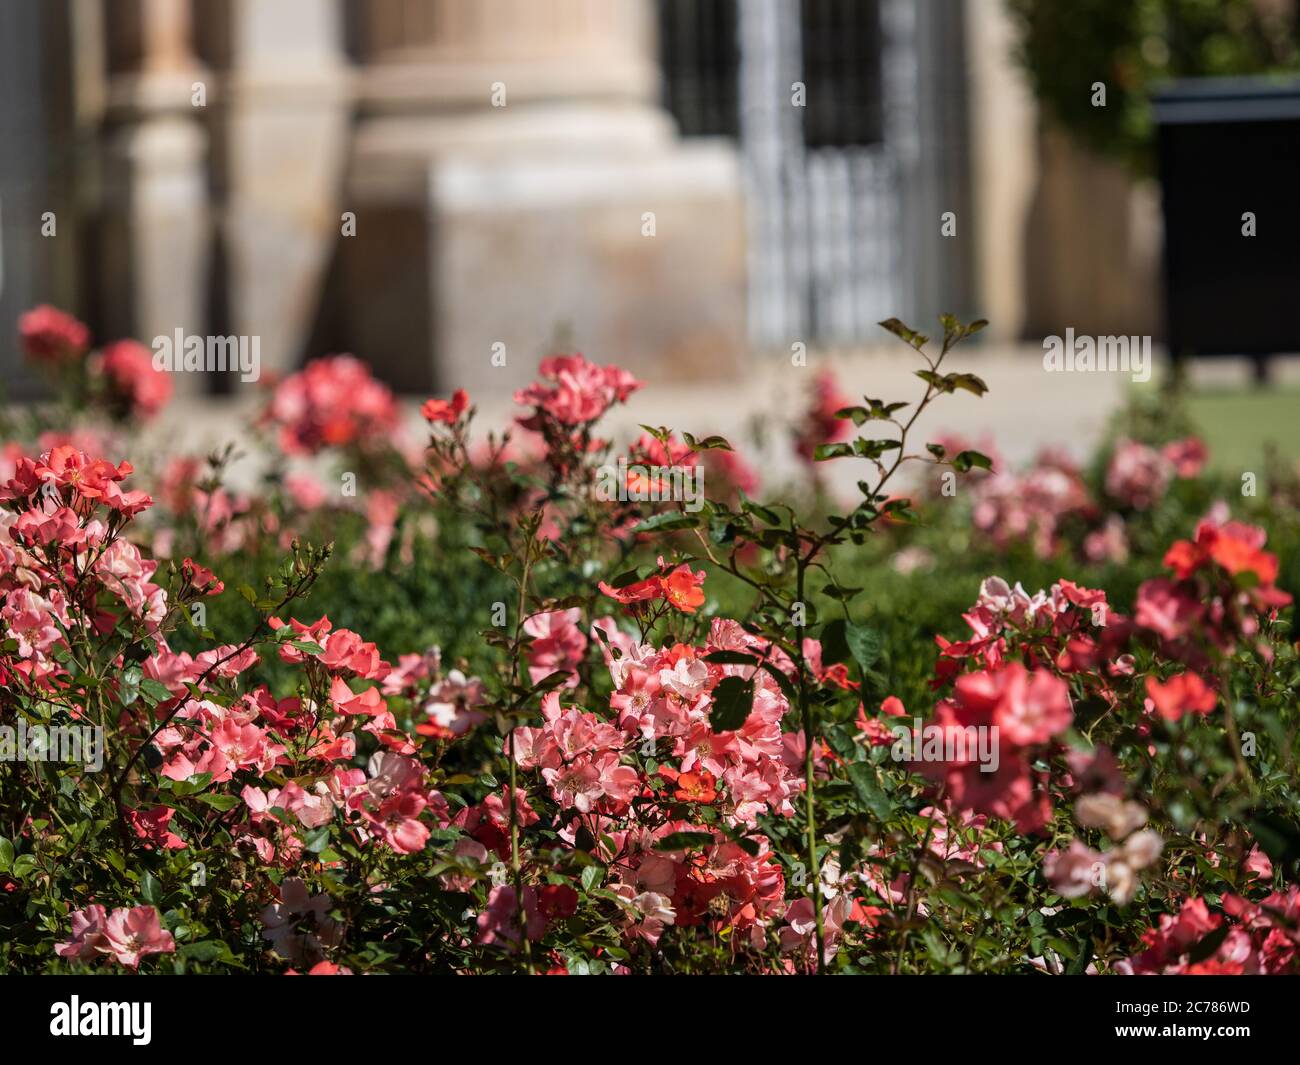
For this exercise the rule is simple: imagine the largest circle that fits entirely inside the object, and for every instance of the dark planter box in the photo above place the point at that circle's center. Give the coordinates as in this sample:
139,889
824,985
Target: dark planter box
1226,147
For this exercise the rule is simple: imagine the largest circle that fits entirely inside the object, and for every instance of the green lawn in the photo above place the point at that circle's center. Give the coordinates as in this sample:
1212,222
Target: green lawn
1239,425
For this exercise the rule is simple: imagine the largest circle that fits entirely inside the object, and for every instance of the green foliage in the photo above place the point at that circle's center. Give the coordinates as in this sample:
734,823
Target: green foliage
789,569
1133,46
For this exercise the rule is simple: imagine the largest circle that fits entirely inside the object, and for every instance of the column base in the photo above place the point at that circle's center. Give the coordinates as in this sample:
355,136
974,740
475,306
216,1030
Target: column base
532,231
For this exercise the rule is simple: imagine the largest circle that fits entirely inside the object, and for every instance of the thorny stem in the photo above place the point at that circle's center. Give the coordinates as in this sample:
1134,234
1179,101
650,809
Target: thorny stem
911,878
802,563
810,801
815,544
805,710
120,779
516,869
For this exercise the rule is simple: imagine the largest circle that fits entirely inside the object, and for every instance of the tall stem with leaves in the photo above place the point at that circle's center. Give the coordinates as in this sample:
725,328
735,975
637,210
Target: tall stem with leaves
809,768
808,545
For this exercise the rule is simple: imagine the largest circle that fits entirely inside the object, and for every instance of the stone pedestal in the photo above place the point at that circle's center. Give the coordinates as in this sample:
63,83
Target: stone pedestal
156,216
571,218
285,109
158,223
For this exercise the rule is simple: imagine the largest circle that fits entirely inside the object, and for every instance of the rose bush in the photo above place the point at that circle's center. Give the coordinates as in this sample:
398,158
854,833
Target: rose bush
478,716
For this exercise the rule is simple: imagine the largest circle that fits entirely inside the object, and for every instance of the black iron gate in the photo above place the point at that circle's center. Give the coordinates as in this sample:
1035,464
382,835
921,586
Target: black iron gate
849,116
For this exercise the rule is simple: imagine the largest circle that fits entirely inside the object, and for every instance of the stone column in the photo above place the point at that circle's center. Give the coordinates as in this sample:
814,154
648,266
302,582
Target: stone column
165,32
516,182
286,104
26,276
441,54
156,218
1003,119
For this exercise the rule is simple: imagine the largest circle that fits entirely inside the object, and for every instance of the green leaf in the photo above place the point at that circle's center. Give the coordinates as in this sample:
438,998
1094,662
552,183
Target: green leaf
709,443
864,644
128,687
873,449
834,641
317,839
949,383
1206,947
220,802
969,383
965,460
660,433
592,876
954,332
552,680
668,521
731,658
939,950
840,739
733,699
899,510
843,594
6,854
1276,836
207,950
1079,965
156,691
769,516
905,333
150,889
822,452
724,531
684,841
862,775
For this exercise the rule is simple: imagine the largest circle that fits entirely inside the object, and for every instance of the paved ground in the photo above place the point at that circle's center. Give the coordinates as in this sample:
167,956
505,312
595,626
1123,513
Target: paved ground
1026,408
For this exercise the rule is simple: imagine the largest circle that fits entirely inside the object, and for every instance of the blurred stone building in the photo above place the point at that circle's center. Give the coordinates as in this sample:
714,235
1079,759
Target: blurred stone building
436,185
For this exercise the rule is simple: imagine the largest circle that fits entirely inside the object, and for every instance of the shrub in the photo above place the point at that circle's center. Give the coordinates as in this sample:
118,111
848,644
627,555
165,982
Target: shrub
533,709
